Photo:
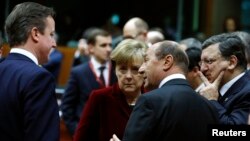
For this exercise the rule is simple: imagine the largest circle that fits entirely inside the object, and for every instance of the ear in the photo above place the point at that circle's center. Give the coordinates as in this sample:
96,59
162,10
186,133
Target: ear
91,48
195,70
35,34
233,61
167,62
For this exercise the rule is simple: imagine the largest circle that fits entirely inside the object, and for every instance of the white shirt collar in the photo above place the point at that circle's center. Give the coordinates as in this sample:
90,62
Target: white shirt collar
97,65
170,77
25,53
225,87
202,85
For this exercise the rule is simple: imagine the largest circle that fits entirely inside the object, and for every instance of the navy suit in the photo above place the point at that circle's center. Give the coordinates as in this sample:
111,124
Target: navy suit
234,106
173,112
81,83
28,106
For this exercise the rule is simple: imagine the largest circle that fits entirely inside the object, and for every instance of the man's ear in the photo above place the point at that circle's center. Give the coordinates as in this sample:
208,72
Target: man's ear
233,61
195,70
35,34
91,48
168,62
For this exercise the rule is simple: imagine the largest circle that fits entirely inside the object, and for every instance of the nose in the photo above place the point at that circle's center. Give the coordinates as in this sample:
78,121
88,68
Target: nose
54,44
203,67
129,74
142,69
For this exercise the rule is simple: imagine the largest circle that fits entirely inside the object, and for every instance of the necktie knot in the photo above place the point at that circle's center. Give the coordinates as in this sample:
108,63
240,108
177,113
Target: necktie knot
102,68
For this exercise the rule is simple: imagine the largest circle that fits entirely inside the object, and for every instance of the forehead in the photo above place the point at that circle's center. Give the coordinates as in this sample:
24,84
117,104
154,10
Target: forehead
211,51
50,23
150,51
103,39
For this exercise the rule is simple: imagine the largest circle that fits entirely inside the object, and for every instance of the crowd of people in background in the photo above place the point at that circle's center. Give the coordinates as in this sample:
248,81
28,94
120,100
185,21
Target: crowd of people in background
138,86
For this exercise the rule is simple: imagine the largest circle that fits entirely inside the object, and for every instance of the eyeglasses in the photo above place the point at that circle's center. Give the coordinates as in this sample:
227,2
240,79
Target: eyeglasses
206,62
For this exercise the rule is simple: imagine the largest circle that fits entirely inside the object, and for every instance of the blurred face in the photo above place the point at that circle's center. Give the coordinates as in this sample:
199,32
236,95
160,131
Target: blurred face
102,48
212,63
46,41
129,79
151,68
230,25
131,32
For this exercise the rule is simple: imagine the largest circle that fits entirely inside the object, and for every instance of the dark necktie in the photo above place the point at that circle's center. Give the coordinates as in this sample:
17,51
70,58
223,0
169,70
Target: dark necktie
101,74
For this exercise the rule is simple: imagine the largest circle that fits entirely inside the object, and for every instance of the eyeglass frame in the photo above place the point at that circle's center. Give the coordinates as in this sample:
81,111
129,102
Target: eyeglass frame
208,61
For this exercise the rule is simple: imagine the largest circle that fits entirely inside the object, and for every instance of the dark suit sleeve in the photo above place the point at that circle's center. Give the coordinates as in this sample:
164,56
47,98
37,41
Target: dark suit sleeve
88,126
141,122
69,103
41,112
236,115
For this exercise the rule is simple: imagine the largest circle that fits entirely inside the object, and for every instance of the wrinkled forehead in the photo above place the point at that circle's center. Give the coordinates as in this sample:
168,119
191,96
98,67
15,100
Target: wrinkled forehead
211,51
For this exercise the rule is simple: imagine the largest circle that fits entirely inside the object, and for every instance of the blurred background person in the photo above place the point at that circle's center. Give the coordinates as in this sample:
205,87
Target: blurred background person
55,59
190,42
107,110
231,24
193,77
1,49
245,37
154,35
94,74
82,53
135,28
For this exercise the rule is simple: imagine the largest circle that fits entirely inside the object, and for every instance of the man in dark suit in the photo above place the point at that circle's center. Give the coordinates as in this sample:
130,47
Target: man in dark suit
87,77
28,106
224,54
173,110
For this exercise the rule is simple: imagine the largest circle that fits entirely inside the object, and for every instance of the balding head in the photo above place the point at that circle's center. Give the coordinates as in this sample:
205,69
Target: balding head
136,28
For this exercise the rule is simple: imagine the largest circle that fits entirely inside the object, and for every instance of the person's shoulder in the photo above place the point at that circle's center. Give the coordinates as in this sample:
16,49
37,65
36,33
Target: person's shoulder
80,67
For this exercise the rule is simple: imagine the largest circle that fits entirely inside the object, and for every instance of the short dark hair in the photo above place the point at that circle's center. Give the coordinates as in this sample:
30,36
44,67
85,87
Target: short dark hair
191,42
194,57
23,18
180,58
245,37
229,44
91,38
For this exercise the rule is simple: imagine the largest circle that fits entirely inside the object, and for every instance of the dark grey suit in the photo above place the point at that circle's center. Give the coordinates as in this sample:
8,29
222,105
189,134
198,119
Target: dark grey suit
173,112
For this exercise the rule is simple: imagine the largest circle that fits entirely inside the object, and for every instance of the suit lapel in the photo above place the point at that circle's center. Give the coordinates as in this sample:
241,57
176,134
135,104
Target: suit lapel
235,88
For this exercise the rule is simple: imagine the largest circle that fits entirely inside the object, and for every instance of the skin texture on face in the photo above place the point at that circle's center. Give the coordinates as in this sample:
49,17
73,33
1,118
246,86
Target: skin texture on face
151,68
46,41
102,48
218,63
129,79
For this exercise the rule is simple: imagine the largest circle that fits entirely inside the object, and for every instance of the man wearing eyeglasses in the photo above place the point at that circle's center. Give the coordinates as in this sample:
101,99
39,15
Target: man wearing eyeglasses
227,83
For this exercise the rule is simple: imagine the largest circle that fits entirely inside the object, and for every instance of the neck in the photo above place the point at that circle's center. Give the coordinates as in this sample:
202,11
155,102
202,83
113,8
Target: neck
132,98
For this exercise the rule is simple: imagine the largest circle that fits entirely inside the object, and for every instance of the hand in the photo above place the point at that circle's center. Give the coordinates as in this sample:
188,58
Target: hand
210,91
114,138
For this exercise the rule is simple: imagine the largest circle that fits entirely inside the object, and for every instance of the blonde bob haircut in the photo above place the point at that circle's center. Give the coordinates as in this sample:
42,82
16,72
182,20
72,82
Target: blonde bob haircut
129,51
